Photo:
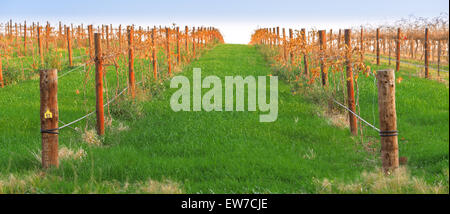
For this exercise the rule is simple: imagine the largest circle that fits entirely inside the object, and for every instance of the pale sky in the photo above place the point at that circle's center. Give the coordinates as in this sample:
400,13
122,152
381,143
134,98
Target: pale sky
236,19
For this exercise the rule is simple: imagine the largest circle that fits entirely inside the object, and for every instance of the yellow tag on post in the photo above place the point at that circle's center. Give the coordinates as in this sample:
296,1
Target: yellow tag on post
48,114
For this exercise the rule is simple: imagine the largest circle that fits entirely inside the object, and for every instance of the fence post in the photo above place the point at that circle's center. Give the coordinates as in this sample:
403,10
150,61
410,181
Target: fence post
69,46
193,42
155,71
388,119
322,45
41,54
397,65
350,86
169,60
439,57
49,117
284,45
120,38
427,52
362,44
378,46
305,59
90,39
107,37
99,84
291,54
1,73
132,85
186,29
178,46
25,38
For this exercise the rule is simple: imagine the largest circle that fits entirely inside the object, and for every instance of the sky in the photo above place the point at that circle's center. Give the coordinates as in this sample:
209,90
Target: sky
236,19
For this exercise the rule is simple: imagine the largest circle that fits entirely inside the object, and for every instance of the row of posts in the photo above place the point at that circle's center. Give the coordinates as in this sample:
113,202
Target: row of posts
386,91
49,81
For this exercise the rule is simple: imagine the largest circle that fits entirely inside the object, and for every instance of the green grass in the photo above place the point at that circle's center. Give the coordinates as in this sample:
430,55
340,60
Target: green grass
217,152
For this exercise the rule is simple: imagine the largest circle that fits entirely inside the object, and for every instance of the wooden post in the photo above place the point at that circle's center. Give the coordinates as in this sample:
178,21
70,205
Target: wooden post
322,45
427,52
69,46
41,54
49,117
131,80
339,39
155,69
169,60
90,40
378,46
120,38
397,66
25,39
178,46
107,37
305,59
362,44
350,86
186,29
284,45
390,50
439,57
47,36
193,42
99,84
1,73
388,120
291,54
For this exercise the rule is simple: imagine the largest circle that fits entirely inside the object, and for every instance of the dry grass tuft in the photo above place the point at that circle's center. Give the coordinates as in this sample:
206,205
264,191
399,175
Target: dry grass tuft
399,182
309,155
122,127
15,184
64,153
157,187
336,118
91,138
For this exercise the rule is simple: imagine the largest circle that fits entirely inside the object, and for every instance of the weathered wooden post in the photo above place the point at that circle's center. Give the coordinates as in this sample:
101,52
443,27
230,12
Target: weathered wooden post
25,38
284,46
362,44
291,54
350,86
378,46
388,120
120,37
439,57
155,68
41,54
193,42
107,37
131,80
186,41
427,52
277,39
322,45
49,117
305,59
1,73
90,40
178,46
99,84
169,60
69,46
397,65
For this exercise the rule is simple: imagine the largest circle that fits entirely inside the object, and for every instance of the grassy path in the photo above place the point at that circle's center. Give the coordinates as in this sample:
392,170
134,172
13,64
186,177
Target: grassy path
213,152
223,152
